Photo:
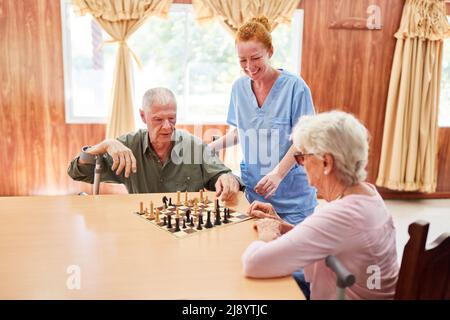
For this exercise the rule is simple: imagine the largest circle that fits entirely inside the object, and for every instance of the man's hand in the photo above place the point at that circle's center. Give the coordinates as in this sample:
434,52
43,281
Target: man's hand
268,184
228,186
268,229
123,157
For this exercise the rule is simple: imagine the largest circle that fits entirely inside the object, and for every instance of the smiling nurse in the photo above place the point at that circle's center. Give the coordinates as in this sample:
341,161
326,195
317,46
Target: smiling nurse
265,104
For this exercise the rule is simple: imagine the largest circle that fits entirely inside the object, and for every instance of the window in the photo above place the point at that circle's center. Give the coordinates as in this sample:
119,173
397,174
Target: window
444,103
197,62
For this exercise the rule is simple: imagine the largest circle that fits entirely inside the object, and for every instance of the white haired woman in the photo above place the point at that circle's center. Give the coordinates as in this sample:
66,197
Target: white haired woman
354,226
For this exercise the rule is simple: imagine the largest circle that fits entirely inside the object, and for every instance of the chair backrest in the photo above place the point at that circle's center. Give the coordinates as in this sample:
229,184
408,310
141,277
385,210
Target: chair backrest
424,272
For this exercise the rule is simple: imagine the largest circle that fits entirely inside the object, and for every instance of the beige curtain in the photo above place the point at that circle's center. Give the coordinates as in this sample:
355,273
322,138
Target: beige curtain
232,14
120,18
409,149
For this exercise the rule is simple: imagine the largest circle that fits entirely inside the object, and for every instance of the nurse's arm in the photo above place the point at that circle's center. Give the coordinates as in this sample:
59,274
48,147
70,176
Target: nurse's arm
269,183
228,140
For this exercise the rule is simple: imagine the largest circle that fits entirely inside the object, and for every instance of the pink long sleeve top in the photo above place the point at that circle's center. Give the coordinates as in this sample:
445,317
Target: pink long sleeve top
357,229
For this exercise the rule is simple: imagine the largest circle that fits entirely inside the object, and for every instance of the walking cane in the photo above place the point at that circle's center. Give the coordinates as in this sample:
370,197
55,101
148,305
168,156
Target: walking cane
98,170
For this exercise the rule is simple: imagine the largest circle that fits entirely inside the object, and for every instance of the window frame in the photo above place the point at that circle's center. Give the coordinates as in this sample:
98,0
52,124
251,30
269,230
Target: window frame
70,118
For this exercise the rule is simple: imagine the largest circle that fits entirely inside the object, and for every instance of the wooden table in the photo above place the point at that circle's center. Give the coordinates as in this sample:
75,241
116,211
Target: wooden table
46,242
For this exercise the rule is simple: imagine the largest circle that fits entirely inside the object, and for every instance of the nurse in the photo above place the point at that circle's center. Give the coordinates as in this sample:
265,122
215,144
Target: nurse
265,105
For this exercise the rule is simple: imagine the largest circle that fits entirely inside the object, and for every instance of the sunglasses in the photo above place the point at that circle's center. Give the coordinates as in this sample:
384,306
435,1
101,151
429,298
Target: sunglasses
300,157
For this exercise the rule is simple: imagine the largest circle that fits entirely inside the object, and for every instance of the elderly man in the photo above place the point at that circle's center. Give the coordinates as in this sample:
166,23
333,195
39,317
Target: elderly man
159,158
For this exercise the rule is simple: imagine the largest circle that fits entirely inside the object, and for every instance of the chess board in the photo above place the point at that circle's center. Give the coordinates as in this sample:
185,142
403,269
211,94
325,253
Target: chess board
233,218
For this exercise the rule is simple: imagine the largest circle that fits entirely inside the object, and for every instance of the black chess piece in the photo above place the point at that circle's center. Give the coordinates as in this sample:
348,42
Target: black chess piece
184,223
177,224
164,200
226,215
188,214
169,223
164,221
170,202
208,220
217,222
199,225
217,206
200,218
191,224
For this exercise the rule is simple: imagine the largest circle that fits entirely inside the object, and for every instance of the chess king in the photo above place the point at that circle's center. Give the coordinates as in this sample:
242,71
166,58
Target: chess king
159,158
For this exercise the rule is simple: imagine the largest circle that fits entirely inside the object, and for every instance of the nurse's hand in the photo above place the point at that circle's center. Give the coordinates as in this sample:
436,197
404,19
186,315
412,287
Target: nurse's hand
268,185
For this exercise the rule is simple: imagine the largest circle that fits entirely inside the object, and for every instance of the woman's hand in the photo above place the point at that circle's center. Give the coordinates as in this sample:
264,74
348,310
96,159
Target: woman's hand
262,210
268,229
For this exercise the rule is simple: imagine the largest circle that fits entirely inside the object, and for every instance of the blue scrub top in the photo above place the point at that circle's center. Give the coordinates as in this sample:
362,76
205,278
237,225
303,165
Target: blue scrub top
264,135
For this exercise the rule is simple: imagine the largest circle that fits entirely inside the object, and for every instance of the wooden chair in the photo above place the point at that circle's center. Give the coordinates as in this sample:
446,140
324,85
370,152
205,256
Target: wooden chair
424,273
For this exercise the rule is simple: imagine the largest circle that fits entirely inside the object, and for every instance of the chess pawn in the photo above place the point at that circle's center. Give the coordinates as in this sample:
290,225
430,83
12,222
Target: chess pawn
141,208
157,215
178,198
186,198
226,215
177,224
199,225
151,210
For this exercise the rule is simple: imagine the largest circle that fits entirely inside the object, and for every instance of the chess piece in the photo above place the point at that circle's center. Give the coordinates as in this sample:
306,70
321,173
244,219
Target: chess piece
201,195
208,220
141,208
217,206
217,222
191,224
178,198
186,198
170,202
151,209
184,223
169,222
164,200
206,200
199,225
177,213
164,221
226,215
177,224
157,215
188,214
200,218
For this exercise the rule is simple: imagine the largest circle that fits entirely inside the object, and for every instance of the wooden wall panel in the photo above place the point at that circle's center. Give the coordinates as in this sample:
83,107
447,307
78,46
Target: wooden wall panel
350,69
36,143
346,69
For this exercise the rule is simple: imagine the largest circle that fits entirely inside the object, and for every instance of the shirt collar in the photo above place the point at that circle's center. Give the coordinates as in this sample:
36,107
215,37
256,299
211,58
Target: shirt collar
175,152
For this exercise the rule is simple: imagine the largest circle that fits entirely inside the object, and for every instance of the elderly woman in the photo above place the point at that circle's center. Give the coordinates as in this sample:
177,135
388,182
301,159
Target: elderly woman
354,225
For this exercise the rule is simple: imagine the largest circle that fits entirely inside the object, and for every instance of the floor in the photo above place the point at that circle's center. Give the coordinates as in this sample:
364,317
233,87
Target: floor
434,211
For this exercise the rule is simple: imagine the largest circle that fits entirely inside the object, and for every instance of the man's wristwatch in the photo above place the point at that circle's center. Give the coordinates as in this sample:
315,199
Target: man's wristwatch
87,157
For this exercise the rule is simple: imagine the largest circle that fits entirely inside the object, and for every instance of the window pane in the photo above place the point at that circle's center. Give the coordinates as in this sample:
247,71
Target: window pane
197,62
444,104
88,69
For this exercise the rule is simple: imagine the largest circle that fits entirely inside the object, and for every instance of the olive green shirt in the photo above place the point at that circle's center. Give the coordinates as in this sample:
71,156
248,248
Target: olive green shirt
191,166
